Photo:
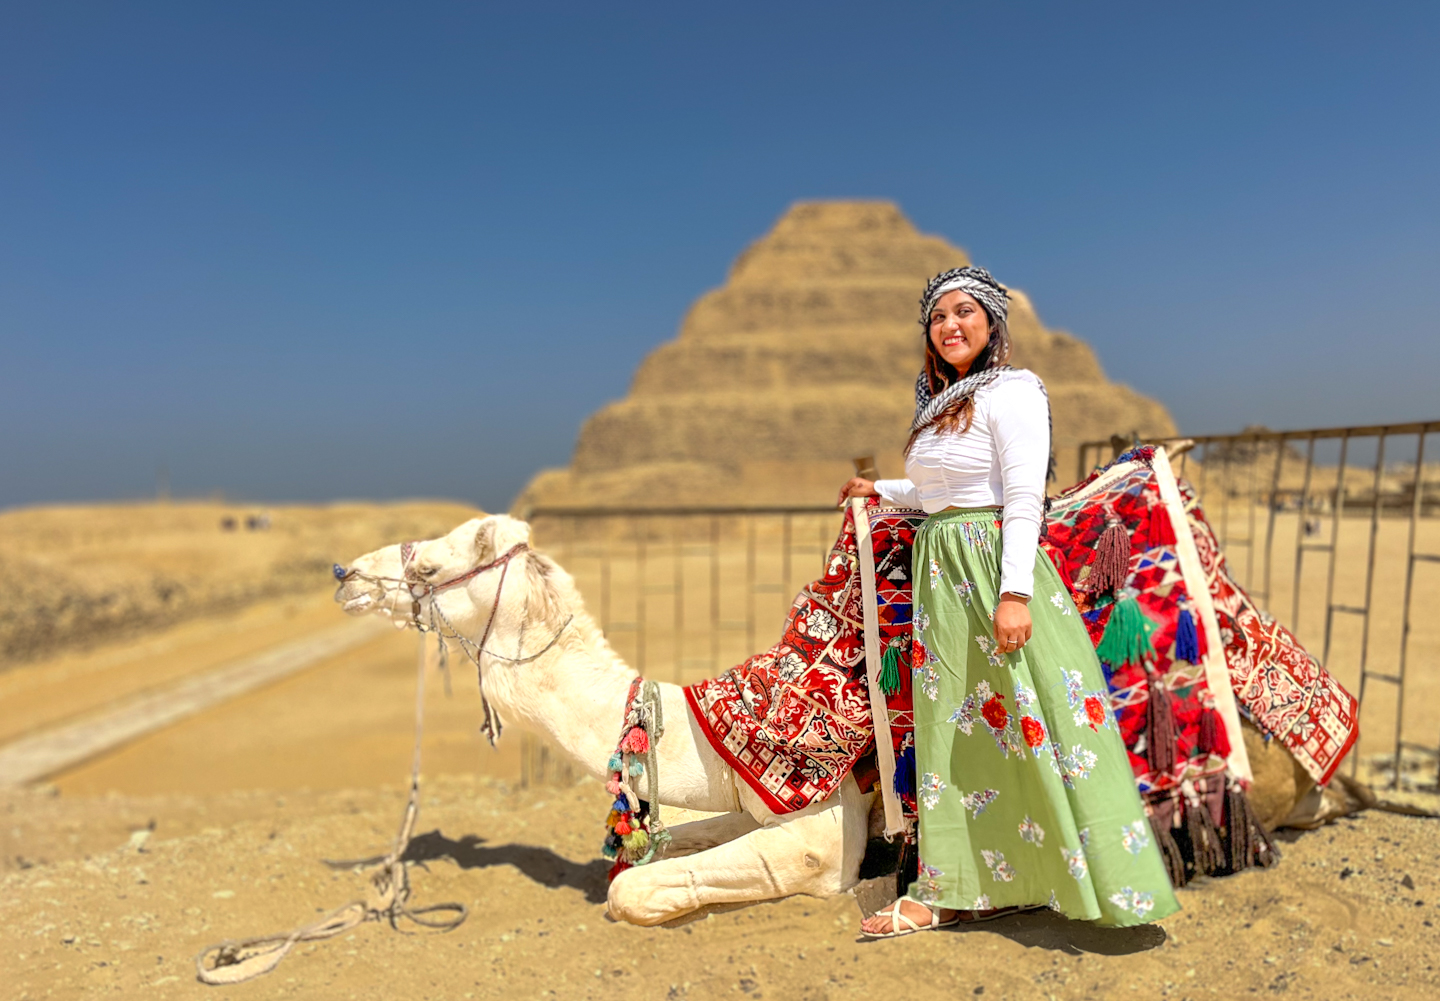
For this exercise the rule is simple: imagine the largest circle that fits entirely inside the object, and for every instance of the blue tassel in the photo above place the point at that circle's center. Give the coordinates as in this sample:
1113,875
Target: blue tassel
905,772
1187,644
615,763
637,768
621,805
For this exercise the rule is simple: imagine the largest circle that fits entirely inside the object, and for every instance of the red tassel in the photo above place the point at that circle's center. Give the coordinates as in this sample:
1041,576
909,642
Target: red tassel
620,866
1170,852
1162,533
1112,560
1160,727
1207,851
1248,845
1213,738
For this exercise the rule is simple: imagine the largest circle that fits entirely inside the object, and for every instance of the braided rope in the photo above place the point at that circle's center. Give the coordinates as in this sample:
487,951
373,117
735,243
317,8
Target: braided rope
387,898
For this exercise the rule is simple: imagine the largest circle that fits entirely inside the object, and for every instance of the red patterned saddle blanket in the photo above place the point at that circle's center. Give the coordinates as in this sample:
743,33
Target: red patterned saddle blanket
794,719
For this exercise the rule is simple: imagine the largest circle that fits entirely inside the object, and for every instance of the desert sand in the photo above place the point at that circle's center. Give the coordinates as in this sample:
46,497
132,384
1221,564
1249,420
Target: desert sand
1350,912
240,804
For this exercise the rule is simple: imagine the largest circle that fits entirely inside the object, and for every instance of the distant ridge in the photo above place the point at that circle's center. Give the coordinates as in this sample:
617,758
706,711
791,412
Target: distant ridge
803,359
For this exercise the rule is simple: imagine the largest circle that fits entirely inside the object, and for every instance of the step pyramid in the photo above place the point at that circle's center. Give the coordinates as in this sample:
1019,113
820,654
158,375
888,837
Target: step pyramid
804,359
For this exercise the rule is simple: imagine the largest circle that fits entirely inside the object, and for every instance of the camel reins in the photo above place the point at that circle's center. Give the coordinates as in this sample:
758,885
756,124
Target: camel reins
420,589
236,961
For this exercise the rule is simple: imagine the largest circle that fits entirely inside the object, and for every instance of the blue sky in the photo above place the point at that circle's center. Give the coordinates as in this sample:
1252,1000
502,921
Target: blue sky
311,251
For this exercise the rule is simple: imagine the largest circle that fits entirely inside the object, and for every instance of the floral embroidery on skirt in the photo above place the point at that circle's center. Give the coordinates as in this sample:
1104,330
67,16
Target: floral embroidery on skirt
1027,790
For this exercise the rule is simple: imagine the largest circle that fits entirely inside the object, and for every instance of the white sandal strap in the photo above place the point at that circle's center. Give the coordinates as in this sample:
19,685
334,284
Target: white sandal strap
896,915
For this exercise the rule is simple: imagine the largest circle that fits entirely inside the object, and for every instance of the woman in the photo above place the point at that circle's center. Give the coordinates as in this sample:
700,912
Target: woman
1026,793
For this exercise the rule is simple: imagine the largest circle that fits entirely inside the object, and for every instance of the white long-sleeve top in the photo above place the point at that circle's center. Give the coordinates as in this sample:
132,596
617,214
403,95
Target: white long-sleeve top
1000,461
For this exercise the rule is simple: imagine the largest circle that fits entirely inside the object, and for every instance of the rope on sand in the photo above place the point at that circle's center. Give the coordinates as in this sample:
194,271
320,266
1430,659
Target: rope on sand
387,898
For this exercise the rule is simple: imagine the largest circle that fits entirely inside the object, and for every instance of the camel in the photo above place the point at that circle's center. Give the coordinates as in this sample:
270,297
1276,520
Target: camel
490,587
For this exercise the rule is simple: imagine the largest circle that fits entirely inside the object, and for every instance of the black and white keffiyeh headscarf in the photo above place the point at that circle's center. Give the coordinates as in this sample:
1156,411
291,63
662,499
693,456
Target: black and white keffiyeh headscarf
974,280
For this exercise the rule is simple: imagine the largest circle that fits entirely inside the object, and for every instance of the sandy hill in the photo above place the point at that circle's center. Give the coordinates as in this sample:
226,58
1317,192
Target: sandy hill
89,573
805,358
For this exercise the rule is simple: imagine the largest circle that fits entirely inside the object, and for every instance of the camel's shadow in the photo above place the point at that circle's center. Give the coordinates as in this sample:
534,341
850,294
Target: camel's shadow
540,864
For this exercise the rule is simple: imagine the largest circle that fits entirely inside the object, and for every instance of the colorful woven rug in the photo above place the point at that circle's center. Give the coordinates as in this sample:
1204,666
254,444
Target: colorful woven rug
793,719
1193,653
1202,719
1284,690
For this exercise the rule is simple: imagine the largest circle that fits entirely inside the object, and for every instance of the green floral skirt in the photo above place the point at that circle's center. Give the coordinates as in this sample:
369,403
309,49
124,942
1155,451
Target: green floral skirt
1025,789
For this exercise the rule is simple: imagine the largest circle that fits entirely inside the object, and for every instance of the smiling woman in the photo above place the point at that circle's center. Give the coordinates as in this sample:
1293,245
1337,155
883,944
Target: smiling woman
977,462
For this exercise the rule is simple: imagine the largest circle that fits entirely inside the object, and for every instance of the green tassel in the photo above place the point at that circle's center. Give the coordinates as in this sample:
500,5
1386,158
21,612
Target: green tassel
1127,634
890,670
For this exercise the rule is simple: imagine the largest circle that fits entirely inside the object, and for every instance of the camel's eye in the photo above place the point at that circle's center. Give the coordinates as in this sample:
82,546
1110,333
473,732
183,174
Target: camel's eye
429,571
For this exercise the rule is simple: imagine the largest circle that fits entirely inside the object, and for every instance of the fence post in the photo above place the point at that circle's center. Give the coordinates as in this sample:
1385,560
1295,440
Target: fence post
642,531
1416,487
714,593
1337,509
1270,522
1300,527
1370,566
749,585
678,581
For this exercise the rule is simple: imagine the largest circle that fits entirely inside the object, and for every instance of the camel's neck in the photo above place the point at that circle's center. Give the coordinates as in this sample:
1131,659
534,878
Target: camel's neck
573,694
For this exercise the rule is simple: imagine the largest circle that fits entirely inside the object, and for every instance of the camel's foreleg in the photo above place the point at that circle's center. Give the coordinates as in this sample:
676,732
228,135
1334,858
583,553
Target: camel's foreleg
815,851
702,835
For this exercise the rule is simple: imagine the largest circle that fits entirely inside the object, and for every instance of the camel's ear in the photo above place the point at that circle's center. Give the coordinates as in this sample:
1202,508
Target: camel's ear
497,535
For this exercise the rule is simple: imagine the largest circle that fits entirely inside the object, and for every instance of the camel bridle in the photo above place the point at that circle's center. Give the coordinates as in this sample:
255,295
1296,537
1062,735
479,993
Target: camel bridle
421,589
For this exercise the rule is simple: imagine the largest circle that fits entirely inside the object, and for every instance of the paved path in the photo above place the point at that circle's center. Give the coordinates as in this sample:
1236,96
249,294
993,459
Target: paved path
50,751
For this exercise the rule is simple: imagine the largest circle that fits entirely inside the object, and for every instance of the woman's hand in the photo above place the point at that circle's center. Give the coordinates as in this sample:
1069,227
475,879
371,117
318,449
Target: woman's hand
1012,622
856,487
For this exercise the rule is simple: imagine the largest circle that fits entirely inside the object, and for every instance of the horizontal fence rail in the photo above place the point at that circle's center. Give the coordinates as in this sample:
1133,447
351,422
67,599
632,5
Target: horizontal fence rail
1336,533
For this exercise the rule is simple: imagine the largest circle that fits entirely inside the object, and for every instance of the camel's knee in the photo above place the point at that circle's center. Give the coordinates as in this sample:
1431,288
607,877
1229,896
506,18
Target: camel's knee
806,854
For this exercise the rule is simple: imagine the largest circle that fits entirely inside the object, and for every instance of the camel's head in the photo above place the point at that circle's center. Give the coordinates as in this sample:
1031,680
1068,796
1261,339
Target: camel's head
394,579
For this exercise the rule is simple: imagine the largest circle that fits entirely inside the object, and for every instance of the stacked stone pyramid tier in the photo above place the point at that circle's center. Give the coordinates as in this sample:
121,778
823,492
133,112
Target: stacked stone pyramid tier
805,358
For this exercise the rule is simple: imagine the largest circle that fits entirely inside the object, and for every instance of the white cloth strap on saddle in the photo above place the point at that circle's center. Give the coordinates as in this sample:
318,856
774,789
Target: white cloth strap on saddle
1217,671
879,711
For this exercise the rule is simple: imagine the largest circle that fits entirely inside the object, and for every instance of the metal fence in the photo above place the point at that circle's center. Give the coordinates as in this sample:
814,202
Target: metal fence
1334,531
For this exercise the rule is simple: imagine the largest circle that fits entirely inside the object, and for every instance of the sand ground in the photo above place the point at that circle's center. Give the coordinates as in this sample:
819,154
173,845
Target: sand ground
1349,913
243,801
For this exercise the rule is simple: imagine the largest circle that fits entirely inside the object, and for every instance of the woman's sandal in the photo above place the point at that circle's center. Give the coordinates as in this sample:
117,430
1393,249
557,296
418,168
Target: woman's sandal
896,916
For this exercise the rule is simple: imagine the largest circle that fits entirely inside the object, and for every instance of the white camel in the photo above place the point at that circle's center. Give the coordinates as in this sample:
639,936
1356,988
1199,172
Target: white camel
574,694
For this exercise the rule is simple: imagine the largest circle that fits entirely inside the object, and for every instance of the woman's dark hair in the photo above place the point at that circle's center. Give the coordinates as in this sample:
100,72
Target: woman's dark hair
940,374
